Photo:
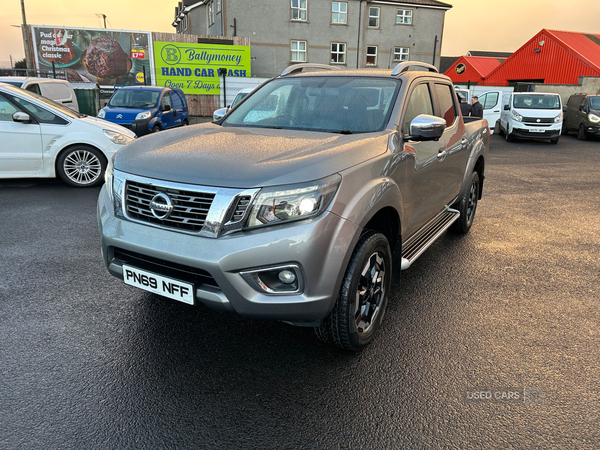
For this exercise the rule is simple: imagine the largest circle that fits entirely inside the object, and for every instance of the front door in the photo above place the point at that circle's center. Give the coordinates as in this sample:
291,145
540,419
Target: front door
21,147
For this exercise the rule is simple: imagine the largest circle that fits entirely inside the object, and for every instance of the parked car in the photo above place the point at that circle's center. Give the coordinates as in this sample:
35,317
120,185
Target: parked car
303,202
219,113
41,138
582,115
147,109
60,91
531,115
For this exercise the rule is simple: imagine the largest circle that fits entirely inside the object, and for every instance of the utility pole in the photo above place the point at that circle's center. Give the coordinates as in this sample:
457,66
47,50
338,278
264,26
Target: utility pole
28,61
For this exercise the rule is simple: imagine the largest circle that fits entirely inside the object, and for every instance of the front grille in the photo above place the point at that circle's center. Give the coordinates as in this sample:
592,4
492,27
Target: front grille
534,120
166,268
240,208
189,208
127,125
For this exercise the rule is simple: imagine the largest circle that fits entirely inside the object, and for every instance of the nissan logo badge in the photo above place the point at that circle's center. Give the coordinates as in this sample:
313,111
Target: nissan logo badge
161,206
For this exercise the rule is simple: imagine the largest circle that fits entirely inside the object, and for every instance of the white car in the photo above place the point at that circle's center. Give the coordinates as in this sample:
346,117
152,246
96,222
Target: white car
42,139
60,91
219,113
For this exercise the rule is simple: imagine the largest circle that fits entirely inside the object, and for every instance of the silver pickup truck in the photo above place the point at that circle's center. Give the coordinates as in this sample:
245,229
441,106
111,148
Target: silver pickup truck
303,203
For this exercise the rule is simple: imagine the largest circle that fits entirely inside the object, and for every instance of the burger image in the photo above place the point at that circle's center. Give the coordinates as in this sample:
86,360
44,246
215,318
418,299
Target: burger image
105,58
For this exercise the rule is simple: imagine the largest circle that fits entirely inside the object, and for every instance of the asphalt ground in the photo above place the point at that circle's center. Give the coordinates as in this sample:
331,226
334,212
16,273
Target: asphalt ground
491,340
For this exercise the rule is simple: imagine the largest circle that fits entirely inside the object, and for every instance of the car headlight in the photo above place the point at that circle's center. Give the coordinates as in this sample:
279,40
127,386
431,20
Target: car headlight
280,204
101,114
143,115
594,118
558,118
117,138
108,176
515,115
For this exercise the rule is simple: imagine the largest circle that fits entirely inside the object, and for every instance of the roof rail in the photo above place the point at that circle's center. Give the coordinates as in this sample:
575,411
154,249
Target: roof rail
300,67
403,67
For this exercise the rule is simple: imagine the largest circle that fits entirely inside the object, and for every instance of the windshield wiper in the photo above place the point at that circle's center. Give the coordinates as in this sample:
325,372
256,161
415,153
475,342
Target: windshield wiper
342,132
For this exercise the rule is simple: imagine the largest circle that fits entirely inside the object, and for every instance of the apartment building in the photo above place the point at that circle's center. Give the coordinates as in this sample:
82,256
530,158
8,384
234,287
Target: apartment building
349,33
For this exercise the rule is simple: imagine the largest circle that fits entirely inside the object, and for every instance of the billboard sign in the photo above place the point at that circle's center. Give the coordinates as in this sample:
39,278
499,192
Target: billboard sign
194,68
106,57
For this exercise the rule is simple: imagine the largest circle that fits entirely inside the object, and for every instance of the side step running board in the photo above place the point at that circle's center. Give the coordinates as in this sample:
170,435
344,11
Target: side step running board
426,236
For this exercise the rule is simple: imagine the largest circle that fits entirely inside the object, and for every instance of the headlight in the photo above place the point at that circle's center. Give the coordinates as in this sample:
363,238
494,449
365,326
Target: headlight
108,176
558,118
515,115
117,138
143,115
293,202
101,114
594,118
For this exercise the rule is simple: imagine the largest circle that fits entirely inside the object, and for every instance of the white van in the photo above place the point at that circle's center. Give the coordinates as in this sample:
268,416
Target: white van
531,115
60,91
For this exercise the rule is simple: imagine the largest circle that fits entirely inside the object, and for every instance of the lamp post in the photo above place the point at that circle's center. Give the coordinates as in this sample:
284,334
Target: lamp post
103,16
28,61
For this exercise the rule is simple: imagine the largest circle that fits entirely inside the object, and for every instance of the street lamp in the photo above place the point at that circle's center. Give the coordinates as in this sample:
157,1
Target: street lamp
103,16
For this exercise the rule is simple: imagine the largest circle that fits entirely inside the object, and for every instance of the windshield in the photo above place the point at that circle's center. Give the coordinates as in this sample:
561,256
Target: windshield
134,98
14,83
533,101
46,101
332,104
594,102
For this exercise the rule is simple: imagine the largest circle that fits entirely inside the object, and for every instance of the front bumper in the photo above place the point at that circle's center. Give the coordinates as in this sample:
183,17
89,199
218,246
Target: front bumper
525,133
319,247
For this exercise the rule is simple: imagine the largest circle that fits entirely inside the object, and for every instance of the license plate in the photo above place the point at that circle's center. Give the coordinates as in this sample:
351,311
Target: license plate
157,284
536,130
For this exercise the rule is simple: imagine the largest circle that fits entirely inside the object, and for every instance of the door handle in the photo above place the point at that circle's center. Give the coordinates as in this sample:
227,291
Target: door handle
497,110
442,154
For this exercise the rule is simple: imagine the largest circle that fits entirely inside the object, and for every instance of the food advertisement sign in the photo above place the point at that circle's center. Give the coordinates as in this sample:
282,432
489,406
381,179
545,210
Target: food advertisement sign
194,68
103,56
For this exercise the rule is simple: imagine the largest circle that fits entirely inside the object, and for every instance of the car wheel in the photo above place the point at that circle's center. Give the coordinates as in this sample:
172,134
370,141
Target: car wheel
581,134
362,299
467,207
185,123
156,128
81,166
498,129
554,141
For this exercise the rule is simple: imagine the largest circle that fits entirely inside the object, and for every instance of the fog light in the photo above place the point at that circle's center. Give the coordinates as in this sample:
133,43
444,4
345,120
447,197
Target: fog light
284,279
287,276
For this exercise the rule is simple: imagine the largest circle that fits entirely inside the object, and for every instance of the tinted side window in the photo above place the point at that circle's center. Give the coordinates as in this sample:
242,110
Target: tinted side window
419,103
35,88
574,101
166,100
176,101
6,110
43,115
445,95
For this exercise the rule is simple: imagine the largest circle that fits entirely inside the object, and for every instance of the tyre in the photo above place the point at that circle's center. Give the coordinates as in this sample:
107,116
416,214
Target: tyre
554,141
498,129
156,128
581,133
467,207
362,299
81,166
185,123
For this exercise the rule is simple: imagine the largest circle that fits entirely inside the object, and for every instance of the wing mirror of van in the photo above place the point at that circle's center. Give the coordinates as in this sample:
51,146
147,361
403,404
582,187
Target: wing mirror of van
426,128
166,108
21,117
506,107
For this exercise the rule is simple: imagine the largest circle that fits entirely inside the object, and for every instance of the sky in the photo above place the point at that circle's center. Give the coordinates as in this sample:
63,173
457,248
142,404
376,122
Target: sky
485,25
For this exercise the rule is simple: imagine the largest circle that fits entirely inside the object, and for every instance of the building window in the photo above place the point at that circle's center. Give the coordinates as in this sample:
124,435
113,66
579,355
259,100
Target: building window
218,6
401,53
184,23
211,14
404,16
374,17
372,55
338,53
299,9
298,51
339,12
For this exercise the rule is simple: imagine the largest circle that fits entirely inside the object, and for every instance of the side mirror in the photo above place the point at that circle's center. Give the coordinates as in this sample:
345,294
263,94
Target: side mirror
21,117
581,108
426,128
166,108
506,107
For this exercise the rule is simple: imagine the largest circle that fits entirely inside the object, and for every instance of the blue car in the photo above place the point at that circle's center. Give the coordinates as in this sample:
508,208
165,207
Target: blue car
147,109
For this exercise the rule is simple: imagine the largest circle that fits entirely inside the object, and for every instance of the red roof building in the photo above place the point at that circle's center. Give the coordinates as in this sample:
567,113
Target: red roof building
471,68
552,57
